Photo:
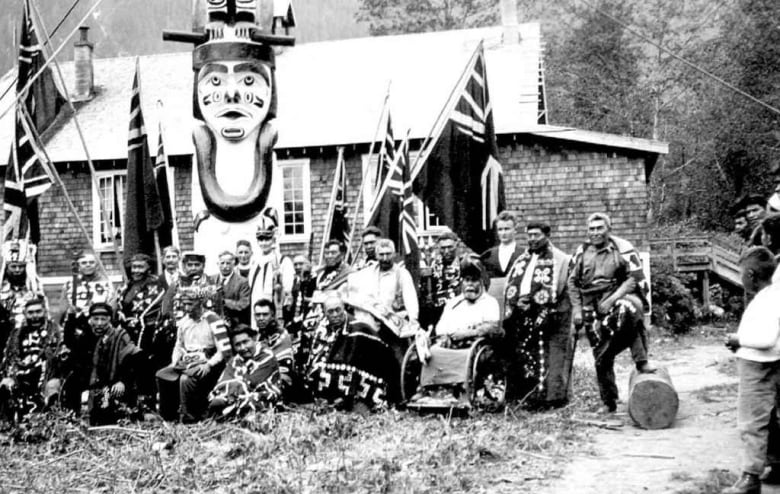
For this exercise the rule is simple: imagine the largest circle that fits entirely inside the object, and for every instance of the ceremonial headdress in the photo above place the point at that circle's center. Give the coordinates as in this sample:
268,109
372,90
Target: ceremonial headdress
192,293
18,251
269,222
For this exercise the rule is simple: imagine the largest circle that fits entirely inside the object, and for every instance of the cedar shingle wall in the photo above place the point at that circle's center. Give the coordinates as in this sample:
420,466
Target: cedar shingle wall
557,181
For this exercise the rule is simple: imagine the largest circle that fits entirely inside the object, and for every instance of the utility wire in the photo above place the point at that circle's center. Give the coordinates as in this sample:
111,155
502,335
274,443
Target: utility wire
46,43
681,59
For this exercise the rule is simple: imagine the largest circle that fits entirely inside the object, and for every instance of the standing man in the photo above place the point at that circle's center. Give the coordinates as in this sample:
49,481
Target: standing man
537,322
333,274
235,291
139,305
300,299
497,260
369,238
757,345
91,287
199,355
20,283
445,280
171,266
112,385
244,256
605,288
272,275
194,277
29,371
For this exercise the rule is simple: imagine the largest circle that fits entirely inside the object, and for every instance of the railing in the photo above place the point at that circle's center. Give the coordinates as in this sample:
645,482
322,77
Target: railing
700,254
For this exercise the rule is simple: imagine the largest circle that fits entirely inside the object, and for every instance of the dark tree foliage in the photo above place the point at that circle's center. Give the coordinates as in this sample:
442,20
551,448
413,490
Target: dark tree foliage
415,16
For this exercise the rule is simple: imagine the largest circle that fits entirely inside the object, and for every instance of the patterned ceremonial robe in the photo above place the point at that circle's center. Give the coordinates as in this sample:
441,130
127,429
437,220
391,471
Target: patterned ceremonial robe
351,363
88,291
30,363
140,303
247,385
280,342
539,335
302,290
14,296
446,281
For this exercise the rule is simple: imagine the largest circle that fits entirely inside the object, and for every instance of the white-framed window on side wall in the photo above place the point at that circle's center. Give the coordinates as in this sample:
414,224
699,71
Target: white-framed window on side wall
294,200
112,191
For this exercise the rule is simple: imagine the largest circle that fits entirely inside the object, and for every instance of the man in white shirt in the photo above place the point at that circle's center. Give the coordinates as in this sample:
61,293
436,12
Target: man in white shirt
757,345
472,314
497,260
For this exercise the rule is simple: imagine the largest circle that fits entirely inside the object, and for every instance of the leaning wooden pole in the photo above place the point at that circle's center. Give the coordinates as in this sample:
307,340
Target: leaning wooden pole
92,172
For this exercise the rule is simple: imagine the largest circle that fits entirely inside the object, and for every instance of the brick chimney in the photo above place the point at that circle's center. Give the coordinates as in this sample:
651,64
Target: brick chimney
84,69
511,34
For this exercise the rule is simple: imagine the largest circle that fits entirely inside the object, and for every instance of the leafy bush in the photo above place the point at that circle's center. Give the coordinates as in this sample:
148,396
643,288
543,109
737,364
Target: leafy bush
674,306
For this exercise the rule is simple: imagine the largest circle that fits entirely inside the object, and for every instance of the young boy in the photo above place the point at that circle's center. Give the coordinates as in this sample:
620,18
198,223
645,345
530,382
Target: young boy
757,345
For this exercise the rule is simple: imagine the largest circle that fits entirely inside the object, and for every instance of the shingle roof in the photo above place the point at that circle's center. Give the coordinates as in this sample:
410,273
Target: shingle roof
329,92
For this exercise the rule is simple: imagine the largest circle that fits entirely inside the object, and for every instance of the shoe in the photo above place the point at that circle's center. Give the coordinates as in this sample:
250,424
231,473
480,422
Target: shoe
607,409
645,367
772,475
748,483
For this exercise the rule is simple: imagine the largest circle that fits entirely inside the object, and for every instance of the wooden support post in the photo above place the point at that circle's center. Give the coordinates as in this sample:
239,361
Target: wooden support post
705,291
652,399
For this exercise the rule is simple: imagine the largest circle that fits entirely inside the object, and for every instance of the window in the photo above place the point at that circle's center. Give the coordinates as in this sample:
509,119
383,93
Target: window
112,191
295,207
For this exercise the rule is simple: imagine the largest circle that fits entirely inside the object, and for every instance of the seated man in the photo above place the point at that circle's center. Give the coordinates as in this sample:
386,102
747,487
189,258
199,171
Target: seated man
251,379
472,314
29,369
348,362
199,355
276,338
112,393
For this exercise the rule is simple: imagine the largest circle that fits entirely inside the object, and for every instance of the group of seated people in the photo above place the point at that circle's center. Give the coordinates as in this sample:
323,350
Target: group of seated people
267,331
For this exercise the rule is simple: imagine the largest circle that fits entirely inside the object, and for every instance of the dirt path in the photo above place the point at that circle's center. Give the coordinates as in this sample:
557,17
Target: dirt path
676,460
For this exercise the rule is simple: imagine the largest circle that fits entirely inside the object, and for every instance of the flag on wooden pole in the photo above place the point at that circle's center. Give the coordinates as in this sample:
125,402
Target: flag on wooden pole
143,209
27,175
385,209
408,245
166,231
457,174
337,224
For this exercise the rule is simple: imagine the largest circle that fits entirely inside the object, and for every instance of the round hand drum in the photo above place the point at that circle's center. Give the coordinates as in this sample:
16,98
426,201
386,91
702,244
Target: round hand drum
652,399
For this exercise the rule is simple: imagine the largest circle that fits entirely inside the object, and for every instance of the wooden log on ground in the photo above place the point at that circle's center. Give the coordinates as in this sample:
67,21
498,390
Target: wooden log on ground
652,399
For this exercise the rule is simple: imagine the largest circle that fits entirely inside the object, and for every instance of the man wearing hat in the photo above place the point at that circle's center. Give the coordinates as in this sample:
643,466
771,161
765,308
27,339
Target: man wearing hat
20,282
199,355
272,276
139,305
472,314
112,389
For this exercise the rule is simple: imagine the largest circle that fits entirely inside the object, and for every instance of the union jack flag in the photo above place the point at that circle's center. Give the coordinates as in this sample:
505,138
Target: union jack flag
28,175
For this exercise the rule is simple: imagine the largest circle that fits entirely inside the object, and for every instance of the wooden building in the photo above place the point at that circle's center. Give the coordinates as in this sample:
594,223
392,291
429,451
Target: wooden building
330,95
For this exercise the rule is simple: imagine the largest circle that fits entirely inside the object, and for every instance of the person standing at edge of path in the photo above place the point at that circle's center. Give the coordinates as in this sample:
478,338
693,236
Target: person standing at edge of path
605,289
757,345
497,260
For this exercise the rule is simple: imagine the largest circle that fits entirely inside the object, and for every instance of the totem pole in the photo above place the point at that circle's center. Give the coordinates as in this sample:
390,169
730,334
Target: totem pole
234,106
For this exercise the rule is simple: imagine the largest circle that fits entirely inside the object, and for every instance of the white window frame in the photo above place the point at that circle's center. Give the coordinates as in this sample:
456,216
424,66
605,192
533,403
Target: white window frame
97,218
421,209
305,165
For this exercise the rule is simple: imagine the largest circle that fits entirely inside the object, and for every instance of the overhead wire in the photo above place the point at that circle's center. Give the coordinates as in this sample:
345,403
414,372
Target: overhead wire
679,58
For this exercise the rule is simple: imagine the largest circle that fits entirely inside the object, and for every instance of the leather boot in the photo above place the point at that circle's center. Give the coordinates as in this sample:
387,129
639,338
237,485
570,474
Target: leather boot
748,483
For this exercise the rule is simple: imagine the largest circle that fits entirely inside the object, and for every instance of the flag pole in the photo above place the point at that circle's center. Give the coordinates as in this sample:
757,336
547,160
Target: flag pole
385,110
45,65
172,202
92,172
332,204
65,194
438,124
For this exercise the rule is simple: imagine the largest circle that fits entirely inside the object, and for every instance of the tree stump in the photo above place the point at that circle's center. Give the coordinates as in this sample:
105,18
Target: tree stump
652,399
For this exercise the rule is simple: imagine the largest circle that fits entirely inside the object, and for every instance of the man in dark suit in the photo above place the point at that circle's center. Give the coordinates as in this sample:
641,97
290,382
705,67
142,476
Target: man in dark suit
235,290
497,260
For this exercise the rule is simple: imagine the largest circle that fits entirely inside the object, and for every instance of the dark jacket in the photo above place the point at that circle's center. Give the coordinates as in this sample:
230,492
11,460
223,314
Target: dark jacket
492,263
